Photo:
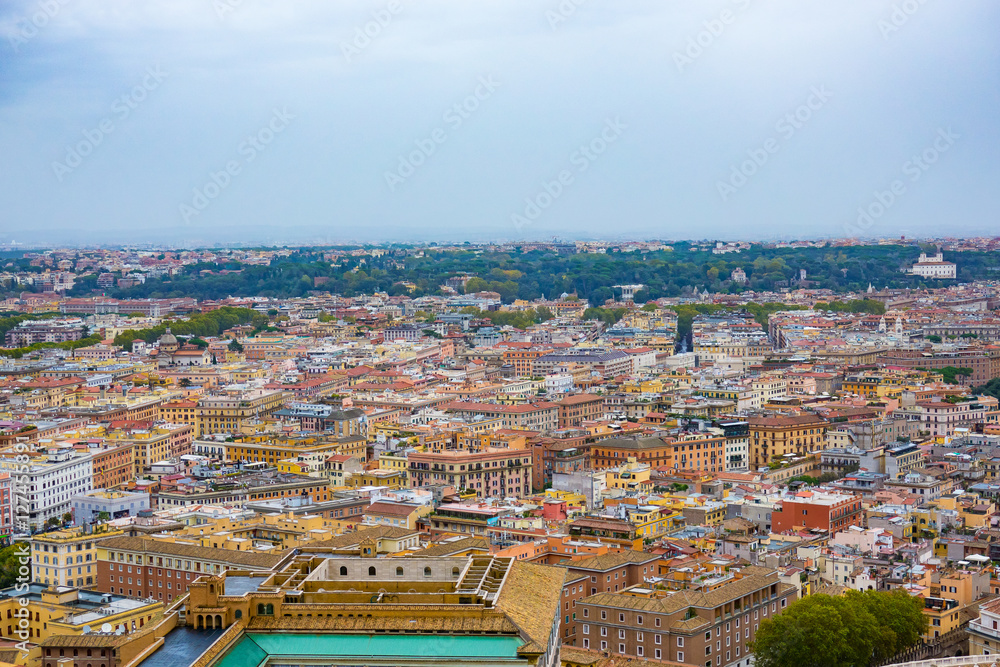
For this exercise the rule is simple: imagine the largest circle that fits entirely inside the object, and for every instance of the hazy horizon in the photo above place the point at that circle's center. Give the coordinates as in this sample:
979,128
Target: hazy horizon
208,122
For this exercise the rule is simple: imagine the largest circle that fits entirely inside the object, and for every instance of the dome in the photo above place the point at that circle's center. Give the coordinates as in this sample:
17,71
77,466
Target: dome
168,338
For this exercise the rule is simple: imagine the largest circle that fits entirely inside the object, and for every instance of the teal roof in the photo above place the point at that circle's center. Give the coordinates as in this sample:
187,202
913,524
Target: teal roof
254,648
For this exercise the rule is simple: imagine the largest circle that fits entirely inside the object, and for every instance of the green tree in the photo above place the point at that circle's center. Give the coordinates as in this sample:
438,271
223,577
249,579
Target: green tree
955,375
901,620
856,630
10,565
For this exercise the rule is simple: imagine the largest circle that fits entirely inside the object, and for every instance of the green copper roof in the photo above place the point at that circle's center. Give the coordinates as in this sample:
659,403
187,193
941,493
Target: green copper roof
255,648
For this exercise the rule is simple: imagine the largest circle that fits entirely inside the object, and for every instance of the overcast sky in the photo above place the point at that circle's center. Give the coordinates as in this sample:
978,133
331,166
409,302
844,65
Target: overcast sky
206,121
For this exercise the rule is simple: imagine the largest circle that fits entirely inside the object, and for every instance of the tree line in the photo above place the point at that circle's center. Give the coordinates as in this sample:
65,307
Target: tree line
212,323
545,274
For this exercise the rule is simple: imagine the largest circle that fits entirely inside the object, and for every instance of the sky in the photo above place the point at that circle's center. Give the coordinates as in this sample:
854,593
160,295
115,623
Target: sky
318,121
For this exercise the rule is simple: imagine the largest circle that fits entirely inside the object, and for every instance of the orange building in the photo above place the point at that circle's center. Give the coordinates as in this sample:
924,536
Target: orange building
831,512
114,464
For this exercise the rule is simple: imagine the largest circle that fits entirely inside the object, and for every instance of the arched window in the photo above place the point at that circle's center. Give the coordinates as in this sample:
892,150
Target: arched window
427,571
371,571
269,610
343,571
399,573
238,614
454,572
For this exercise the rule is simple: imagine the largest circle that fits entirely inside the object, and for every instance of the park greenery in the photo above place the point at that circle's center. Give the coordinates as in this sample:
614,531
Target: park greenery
535,273
859,629
212,323
18,352
991,388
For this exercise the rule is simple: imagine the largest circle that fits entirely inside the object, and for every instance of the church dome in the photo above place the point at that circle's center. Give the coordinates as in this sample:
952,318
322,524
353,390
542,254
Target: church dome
167,338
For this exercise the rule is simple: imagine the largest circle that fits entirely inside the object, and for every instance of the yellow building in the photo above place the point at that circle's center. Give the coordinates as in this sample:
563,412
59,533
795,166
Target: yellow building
395,461
271,448
69,611
226,414
264,532
67,557
774,437
179,411
653,522
631,476
392,479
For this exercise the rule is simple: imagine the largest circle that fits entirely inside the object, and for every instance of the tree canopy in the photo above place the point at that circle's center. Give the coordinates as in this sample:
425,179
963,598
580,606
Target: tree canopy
859,629
212,323
535,273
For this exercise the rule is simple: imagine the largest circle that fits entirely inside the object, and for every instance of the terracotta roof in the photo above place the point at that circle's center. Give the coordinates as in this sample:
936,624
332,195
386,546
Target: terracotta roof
530,597
485,621
244,558
450,548
588,658
353,539
754,579
610,561
391,509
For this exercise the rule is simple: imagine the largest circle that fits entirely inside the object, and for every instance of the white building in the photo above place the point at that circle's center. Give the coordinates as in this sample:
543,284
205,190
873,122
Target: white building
558,383
52,483
933,267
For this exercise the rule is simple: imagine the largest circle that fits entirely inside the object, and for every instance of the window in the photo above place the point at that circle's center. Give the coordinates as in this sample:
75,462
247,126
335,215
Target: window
427,571
399,572
638,619
343,571
680,642
604,631
638,637
586,612
657,654
586,643
656,621
604,646
604,614
586,628
621,618
680,656
371,571
621,634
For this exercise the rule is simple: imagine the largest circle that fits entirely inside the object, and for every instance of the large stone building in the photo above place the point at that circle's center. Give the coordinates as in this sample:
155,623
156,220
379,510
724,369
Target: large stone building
696,627
933,266
772,438
364,610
